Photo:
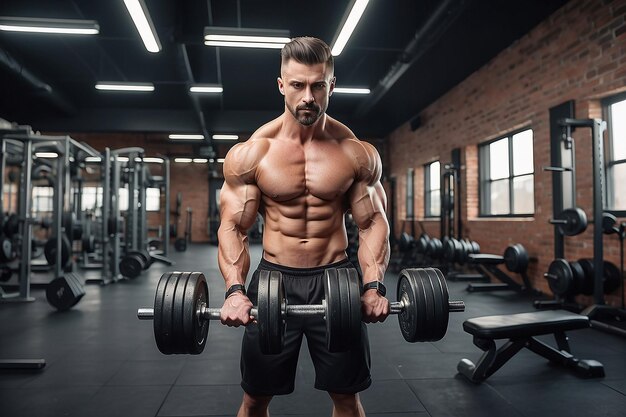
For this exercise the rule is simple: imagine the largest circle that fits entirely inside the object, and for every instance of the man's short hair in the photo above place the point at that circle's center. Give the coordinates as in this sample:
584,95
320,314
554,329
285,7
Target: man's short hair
309,51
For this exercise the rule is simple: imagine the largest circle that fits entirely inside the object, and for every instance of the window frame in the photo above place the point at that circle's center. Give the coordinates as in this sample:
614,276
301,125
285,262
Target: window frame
428,191
484,165
609,162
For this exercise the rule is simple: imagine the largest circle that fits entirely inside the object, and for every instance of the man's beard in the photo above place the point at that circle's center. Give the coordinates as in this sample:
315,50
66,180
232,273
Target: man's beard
304,119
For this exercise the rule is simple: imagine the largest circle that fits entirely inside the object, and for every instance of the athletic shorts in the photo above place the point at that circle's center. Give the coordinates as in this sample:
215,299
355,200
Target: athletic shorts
267,375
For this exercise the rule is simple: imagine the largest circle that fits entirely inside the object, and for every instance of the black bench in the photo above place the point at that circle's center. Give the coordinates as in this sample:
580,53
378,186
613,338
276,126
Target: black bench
487,264
521,330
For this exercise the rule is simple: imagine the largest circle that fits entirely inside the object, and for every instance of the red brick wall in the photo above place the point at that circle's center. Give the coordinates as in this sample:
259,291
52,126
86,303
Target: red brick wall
578,53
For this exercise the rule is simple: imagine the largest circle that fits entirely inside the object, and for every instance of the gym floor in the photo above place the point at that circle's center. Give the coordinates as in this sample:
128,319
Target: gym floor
102,361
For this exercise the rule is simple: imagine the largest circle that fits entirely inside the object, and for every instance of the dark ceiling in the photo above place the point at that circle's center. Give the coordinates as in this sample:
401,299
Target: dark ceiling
408,52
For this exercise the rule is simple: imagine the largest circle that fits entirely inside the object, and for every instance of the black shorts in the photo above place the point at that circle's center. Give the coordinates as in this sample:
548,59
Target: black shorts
342,373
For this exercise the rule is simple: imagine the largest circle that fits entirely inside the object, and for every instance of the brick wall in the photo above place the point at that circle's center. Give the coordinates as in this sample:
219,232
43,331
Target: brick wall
578,53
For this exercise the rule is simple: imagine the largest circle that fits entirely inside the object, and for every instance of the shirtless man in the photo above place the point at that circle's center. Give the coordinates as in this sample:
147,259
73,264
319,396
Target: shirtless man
303,171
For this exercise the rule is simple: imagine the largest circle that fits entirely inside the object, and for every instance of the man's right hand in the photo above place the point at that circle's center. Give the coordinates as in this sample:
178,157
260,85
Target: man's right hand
236,310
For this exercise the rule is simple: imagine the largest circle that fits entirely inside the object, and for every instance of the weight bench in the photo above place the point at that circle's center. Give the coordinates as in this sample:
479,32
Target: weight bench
487,264
521,330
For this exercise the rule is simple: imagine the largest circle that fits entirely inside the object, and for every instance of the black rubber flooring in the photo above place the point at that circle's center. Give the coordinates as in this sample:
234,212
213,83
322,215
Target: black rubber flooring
102,361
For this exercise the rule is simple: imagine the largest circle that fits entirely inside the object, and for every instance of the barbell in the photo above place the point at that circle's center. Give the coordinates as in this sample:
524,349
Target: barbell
181,312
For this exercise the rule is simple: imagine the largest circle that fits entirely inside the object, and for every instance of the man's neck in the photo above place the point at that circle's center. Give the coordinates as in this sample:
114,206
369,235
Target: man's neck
293,129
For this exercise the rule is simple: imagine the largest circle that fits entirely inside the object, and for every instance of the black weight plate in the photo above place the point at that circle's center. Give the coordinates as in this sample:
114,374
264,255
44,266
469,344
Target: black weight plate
50,250
475,246
333,310
59,294
179,338
405,242
466,250
516,258
411,324
12,225
436,248
354,286
608,223
441,303
6,249
422,243
429,308
578,276
612,279
180,245
163,313
195,329
270,321
131,265
576,221
561,277
588,276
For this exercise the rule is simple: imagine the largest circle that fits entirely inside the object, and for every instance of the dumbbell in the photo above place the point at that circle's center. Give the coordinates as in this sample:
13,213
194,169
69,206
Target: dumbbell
134,262
577,277
181,314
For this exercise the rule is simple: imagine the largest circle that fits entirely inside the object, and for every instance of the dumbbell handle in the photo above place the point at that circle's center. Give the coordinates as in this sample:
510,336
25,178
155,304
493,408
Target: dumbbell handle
294,310
558,221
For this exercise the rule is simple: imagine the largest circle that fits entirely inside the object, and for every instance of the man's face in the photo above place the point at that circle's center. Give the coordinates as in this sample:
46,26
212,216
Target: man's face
306,89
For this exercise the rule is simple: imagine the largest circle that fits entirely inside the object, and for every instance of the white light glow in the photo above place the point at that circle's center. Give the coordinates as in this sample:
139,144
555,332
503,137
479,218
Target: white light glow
200,160
46,155
225,137
349,90
206,88
93,159
348,26
153,160
244,38
183,160
181,136
267,45
220,160
140,17
106,86
56,30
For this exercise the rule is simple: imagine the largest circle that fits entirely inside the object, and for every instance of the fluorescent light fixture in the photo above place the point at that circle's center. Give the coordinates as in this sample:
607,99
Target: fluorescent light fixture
200,160
225,137
351,90
358,7
183,160
124,86
181,136
220,160
153,160
205,88
139,13
57,26
46,155
93,159
245,37
122,159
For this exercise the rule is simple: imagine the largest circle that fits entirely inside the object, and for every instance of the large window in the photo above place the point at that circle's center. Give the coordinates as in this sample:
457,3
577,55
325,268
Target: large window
43,199
92,198
616,155
507,175
432,189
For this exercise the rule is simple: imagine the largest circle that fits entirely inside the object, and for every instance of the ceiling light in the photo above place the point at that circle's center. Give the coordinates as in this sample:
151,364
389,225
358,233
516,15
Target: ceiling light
153,160
184,136
46,155
351,90
58,26
358,7
93,159
123,159
139,13
200,160
245,37
225,137
183,160
205,88
220,160
124,86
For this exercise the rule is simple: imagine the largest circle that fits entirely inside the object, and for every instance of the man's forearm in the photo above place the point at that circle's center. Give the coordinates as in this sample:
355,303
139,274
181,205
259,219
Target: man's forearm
374,249
233,255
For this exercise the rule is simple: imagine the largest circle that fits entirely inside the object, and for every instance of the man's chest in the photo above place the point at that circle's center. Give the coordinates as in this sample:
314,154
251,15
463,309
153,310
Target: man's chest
322,171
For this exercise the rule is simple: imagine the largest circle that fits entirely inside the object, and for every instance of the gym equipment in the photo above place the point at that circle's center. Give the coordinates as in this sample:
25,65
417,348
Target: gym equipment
521,330
65,292
134,263
50,250
571,222
180,244
181,314
515,259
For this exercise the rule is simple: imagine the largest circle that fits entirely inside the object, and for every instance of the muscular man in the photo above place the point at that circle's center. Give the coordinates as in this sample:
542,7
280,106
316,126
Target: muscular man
302,171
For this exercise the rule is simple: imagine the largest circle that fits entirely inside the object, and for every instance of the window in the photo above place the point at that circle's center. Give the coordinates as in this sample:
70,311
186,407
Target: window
507,175
409,193
43,199
92,198
616,155
432,189
153,199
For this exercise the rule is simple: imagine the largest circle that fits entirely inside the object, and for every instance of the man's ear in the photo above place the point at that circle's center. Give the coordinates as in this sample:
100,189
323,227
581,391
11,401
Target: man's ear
281,85
332,86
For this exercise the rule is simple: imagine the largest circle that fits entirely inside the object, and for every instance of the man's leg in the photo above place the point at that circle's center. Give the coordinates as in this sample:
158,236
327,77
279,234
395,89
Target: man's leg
346,405
254,406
